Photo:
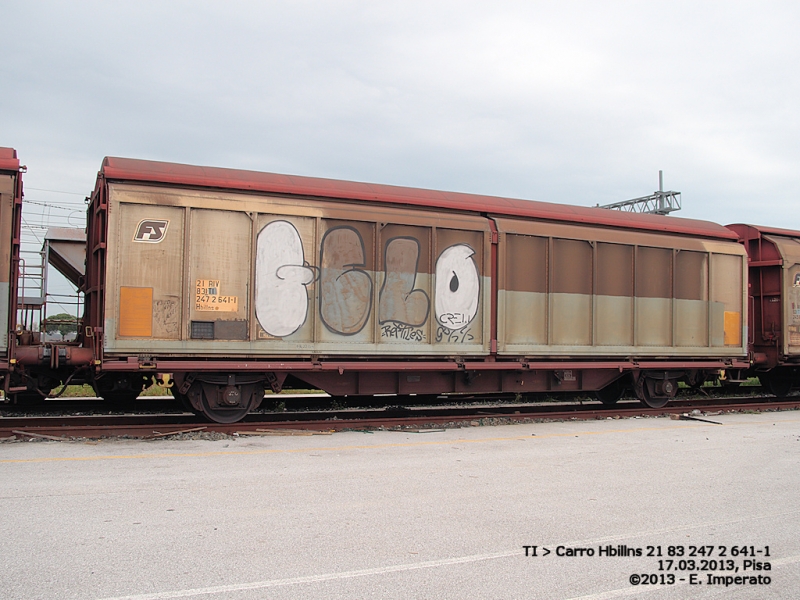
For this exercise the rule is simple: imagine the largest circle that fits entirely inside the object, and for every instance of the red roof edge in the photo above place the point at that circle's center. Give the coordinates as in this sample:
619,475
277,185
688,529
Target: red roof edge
8,159
740,228
126,169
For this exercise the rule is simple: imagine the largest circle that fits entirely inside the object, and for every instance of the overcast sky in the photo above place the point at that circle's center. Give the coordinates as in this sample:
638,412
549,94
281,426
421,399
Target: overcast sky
570,102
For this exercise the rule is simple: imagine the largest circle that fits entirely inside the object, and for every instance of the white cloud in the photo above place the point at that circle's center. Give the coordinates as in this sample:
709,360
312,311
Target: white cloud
575,102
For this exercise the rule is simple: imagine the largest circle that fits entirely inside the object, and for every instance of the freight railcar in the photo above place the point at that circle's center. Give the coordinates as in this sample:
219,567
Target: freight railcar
10,209
774,282
225,282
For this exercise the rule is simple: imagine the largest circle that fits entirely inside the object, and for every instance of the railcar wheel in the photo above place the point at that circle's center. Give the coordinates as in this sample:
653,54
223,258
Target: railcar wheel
646,397
610,394
224,415
777,386
225,403
185,403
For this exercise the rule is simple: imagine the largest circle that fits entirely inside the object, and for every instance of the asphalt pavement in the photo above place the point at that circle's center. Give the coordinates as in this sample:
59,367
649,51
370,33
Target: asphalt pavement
641,508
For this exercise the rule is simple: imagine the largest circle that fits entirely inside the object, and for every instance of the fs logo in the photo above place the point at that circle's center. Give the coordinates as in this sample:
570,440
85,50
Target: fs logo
151,231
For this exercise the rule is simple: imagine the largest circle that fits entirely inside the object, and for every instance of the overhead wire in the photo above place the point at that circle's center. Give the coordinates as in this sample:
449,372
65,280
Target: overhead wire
37,218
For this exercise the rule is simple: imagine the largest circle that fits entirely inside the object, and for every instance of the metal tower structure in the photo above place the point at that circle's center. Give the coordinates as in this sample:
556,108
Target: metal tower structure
657,203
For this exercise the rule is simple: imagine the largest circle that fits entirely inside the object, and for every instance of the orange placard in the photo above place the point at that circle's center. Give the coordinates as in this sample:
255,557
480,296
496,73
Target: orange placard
733,328
135,312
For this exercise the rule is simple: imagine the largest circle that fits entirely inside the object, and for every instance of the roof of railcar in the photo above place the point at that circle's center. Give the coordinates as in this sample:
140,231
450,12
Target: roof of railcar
764,230
8,159
126,169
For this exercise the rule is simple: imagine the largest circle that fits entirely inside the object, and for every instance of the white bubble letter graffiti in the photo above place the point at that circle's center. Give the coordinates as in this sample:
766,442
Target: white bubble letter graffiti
457,287
281,277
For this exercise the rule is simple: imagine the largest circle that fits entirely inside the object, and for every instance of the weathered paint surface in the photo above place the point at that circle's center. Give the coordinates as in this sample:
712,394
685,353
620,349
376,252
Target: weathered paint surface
7,183
4,292
525,317
567,290
614,322
311,277
793,308
571,319
298,280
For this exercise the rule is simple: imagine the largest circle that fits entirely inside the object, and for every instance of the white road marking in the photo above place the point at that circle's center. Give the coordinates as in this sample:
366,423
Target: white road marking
629,591
259,585
789,560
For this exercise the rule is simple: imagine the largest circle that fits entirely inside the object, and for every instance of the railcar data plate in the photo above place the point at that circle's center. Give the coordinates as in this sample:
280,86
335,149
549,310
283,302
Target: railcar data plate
208,297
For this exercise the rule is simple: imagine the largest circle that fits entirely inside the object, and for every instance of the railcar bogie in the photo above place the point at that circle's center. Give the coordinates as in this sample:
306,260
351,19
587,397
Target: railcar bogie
655,389
120,389
222,398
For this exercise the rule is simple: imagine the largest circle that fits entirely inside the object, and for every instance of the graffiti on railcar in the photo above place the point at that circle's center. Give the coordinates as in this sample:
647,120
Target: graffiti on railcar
454,336
457,287
399,331
282,275
346,286
402,308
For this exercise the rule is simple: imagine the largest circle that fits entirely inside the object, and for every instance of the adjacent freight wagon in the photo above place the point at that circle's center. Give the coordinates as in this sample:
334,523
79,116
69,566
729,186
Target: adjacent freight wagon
225,282
774,281
10,211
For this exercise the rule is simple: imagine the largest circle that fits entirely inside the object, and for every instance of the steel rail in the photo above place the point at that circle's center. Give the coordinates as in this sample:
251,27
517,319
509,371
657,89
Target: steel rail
144,426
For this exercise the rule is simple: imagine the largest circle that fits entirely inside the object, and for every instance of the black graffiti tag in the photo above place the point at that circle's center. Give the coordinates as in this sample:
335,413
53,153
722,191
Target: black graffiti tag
454,336
399,331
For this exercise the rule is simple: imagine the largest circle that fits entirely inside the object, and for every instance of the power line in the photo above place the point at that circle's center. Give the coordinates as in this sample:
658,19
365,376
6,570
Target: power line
55,191
56,206
30,228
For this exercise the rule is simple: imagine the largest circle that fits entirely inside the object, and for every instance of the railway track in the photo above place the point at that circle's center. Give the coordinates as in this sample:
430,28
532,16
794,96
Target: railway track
396,417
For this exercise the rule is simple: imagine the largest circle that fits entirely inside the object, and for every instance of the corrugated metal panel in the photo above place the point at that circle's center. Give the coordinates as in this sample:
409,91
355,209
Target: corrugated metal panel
727,274
150,246
125,169
567,290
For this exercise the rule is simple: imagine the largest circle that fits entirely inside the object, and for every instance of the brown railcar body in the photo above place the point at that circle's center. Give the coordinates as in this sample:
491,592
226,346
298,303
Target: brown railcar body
232,280
10,220
774,291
